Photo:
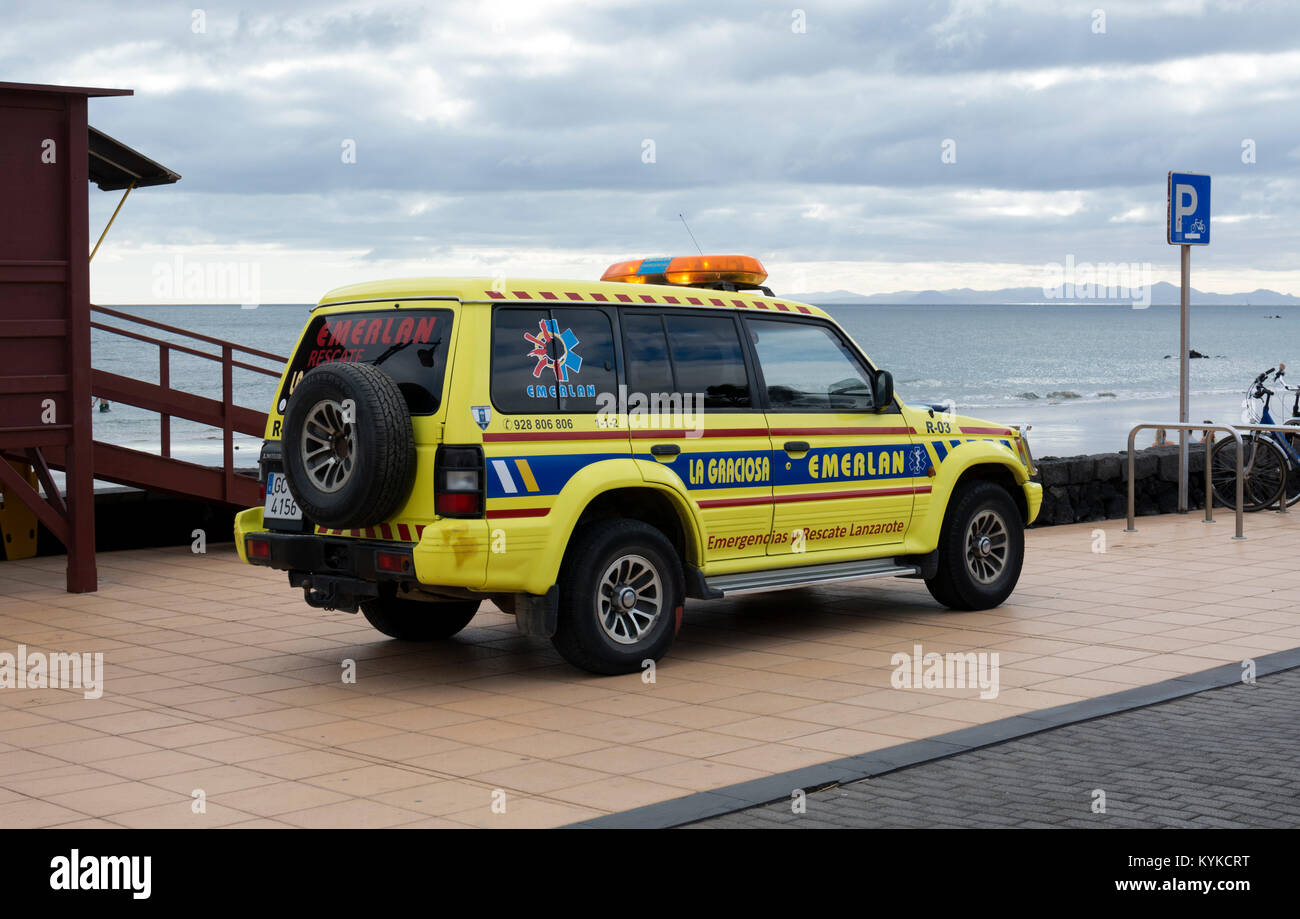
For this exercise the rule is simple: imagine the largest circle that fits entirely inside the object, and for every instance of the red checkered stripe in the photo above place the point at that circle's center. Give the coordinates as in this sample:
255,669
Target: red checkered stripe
662,300
400,532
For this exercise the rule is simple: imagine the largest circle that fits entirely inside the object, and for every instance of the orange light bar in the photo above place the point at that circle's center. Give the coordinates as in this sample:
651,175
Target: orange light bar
688,270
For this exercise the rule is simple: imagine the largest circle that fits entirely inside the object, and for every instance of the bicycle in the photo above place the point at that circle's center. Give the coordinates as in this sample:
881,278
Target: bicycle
1270,461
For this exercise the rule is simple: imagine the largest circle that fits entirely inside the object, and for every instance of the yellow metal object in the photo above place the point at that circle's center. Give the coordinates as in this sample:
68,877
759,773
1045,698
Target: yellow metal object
17,520
110,221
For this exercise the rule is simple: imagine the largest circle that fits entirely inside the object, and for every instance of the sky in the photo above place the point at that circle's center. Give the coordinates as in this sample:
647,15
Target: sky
869,146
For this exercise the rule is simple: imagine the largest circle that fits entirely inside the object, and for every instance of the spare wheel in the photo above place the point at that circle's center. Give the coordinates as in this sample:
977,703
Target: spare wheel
349,451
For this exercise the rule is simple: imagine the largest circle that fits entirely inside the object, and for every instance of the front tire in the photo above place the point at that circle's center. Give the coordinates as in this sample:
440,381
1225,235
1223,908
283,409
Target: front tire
621,595
981,548
413,620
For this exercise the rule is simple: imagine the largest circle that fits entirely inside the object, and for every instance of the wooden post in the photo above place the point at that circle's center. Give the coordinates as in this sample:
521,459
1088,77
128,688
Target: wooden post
165,381
80,471
227,418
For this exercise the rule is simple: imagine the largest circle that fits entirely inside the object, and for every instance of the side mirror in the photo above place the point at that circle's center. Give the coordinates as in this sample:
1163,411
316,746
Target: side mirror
883,392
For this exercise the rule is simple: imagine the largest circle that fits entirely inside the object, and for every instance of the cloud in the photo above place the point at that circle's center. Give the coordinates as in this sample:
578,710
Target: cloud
504,127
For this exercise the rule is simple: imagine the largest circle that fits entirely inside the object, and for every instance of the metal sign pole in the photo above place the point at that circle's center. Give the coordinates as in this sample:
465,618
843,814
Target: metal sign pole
1184,396
1188,212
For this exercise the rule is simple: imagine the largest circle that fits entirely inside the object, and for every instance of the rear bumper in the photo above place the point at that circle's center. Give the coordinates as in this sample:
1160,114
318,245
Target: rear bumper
352,558
450,553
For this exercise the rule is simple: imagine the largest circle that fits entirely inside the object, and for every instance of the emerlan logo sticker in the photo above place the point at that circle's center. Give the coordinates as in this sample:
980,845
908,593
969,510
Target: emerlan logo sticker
546,342
482,416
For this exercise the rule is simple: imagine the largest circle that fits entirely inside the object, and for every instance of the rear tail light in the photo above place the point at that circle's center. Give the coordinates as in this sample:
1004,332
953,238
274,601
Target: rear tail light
257,548
458,481
392,562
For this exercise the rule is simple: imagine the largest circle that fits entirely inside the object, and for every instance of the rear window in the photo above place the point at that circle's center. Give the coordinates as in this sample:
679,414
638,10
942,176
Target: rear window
410,345
549,360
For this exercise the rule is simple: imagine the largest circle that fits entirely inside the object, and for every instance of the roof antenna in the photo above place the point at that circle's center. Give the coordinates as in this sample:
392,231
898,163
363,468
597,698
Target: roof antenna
693,239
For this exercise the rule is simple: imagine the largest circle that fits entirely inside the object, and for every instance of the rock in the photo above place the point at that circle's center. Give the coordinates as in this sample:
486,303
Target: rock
1168,463
1054,472
1082,469
1144,466
1108,466
1061,511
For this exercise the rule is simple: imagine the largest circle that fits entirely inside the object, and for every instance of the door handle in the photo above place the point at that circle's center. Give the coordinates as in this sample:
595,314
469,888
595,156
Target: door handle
796,446
665,450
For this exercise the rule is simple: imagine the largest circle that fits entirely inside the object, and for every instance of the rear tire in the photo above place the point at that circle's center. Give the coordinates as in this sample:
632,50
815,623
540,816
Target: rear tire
981,548
621,595
1264,471
413,620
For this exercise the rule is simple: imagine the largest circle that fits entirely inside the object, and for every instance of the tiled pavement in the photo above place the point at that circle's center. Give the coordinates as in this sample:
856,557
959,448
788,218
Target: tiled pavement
1225,757
219,678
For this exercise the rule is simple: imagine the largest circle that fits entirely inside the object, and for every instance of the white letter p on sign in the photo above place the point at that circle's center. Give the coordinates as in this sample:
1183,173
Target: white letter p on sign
1184,204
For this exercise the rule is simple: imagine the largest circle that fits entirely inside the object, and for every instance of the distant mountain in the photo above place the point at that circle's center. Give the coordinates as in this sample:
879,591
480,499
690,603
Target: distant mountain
832,296
1162,294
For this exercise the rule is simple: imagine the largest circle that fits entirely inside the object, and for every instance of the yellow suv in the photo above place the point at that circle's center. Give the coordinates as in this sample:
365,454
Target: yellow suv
588,455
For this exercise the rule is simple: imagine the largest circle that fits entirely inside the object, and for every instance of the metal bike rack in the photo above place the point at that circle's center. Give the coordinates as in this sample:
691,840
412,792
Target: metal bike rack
1209,495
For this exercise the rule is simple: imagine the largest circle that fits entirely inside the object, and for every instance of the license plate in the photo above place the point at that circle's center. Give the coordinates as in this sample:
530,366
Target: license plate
279,500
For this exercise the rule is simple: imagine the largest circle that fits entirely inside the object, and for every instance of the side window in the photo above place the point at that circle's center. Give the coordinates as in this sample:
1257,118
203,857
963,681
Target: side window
808,368
551,360
518,384
584,343
707,359
645,349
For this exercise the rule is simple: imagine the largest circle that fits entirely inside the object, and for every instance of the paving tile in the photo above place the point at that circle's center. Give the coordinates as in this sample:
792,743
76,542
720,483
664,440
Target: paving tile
356,813
202,682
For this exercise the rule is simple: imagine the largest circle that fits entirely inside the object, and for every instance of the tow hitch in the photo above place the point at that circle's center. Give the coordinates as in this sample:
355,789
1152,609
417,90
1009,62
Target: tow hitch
331,592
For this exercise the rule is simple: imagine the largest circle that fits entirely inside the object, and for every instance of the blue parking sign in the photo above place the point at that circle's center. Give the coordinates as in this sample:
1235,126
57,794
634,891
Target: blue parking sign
1189,209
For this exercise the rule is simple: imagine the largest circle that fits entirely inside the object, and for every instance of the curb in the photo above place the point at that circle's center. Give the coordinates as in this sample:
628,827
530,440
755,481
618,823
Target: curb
731,798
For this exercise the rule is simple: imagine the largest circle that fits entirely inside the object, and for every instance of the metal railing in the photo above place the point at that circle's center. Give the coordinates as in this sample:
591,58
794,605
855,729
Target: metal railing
1209,492
1233,429
169,402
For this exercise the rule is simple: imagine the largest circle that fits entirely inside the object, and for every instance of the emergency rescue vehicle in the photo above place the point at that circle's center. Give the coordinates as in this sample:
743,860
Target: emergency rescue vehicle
589,455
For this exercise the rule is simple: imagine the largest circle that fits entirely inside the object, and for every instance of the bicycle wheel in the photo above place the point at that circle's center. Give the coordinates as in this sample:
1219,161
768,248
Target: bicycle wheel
1293,463
1263,473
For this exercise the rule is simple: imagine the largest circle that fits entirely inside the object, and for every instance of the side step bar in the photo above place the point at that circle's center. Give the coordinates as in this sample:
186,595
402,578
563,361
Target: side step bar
730,585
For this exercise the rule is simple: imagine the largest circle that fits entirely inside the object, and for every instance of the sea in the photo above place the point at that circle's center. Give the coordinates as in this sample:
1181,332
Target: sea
1081,376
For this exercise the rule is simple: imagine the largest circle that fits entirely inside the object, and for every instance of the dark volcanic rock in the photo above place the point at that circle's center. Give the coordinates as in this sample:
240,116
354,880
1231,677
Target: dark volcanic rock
1088,488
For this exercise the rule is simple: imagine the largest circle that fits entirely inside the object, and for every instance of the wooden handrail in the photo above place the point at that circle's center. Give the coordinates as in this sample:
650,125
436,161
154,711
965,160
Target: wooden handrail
178,331
169,403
